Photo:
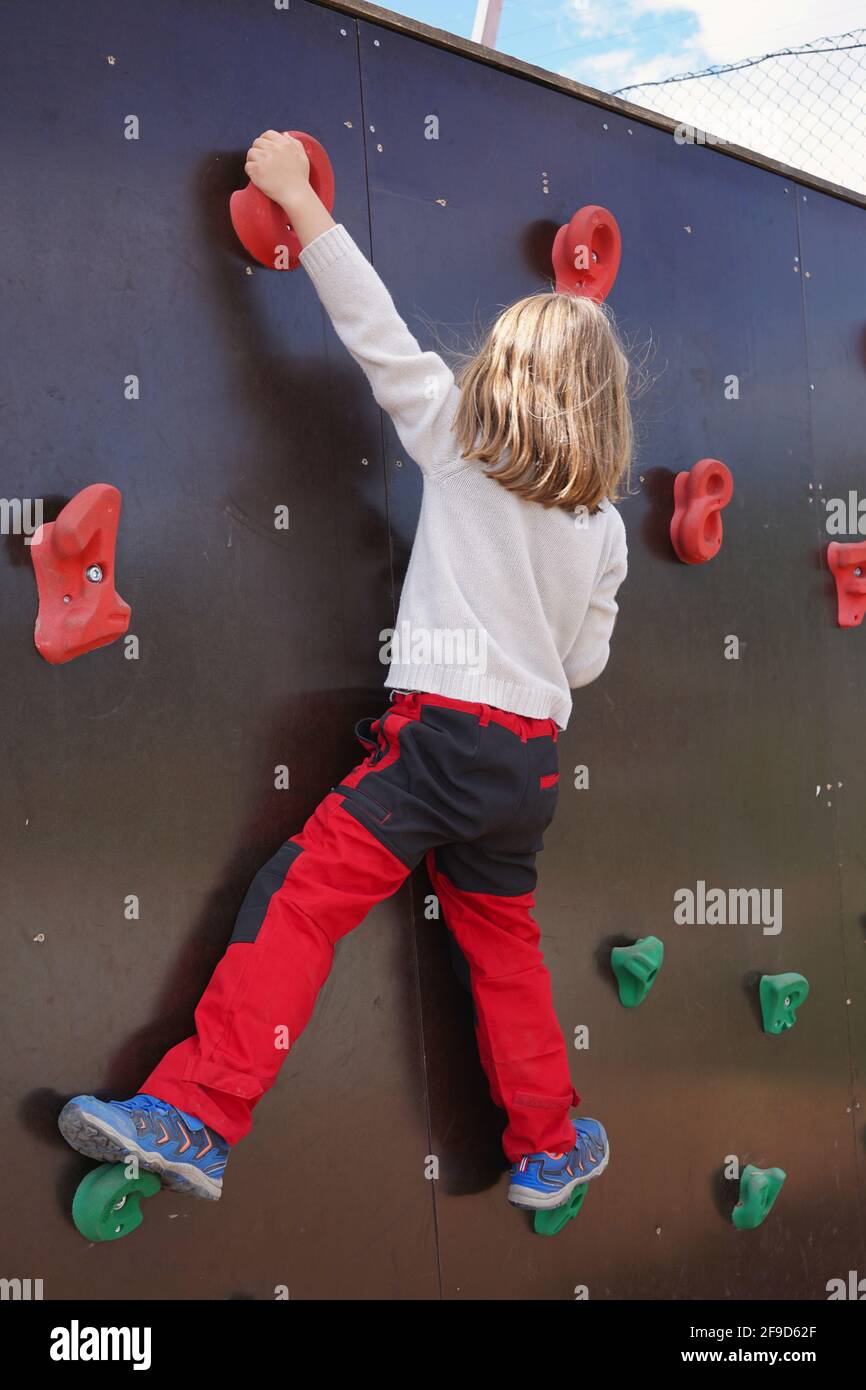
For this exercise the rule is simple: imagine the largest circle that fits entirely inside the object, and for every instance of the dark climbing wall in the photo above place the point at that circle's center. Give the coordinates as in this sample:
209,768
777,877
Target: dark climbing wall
155,777
831,235
700,768
258,648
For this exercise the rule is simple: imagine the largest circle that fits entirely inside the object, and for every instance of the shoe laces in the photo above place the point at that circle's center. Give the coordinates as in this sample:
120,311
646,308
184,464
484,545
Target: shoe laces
588,1144
149,1103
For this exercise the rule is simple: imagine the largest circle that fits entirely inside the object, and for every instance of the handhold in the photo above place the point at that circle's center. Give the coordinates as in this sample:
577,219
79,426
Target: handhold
586,254
759,1188
261,224
848,567
700,493
781,997
550,1223
107,1203
636,967
79,607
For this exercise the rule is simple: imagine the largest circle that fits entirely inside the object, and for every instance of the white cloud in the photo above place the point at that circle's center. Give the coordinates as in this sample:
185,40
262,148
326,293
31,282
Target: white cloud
615,61
733,29
808,113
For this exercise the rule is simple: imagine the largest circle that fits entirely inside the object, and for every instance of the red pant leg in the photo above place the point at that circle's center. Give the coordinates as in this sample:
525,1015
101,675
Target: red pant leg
318,886
519,1039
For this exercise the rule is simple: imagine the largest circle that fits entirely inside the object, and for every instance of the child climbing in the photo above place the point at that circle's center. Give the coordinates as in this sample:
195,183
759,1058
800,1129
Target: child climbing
509,603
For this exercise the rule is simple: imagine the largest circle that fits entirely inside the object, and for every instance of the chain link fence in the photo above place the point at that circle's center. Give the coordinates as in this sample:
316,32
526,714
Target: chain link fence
804,106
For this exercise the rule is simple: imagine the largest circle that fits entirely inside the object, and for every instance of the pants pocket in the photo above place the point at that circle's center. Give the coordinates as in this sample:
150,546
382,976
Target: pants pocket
362,798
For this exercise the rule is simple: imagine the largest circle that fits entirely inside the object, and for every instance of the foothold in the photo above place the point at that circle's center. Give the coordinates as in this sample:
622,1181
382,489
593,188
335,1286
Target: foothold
261,224
781,997
700,493
79,607
636,967
848,567
550,1223
759,1188
107,1204
586,254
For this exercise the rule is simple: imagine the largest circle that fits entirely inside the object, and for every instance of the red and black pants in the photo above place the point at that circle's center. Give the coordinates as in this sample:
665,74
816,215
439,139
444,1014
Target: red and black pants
472,789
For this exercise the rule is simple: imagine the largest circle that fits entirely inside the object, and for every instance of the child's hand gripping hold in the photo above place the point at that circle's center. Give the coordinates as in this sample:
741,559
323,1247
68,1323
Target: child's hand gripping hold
278,165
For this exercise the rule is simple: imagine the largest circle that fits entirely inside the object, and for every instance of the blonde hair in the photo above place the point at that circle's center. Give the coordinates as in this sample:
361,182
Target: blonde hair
544,403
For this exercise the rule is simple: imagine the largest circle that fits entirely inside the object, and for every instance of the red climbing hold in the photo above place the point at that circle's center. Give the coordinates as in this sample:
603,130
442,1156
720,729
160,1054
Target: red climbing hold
848,566
79,607
261,224
700,493
586,254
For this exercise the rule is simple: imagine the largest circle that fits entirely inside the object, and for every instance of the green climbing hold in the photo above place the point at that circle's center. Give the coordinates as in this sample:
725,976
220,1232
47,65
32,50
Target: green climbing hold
781,997
759,1188
107,1204
636,967
550,1223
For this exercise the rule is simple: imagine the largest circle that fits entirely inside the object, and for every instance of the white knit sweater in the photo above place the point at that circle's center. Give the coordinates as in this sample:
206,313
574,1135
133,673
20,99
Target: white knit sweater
505,602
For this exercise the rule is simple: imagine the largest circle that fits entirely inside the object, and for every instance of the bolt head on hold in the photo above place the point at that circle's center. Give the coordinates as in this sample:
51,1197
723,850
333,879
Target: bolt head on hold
846,561
73,557
107,1203
700,493
586,254
636,968
781,997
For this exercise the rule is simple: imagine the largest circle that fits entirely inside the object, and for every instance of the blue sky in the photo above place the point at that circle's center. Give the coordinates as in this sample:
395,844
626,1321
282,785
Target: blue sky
610,43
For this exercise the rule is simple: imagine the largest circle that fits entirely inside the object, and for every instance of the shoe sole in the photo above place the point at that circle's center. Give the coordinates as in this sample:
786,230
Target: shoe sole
544,1201
95,1138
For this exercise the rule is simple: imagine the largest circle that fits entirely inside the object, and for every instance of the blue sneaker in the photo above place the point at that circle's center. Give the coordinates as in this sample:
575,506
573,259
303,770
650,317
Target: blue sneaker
184,1153
542,1181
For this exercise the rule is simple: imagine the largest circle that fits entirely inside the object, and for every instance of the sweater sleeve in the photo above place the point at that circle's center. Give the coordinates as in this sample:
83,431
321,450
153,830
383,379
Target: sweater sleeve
591,650
416,388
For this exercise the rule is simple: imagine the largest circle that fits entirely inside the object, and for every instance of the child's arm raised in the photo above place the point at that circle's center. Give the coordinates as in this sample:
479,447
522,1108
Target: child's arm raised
416,388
